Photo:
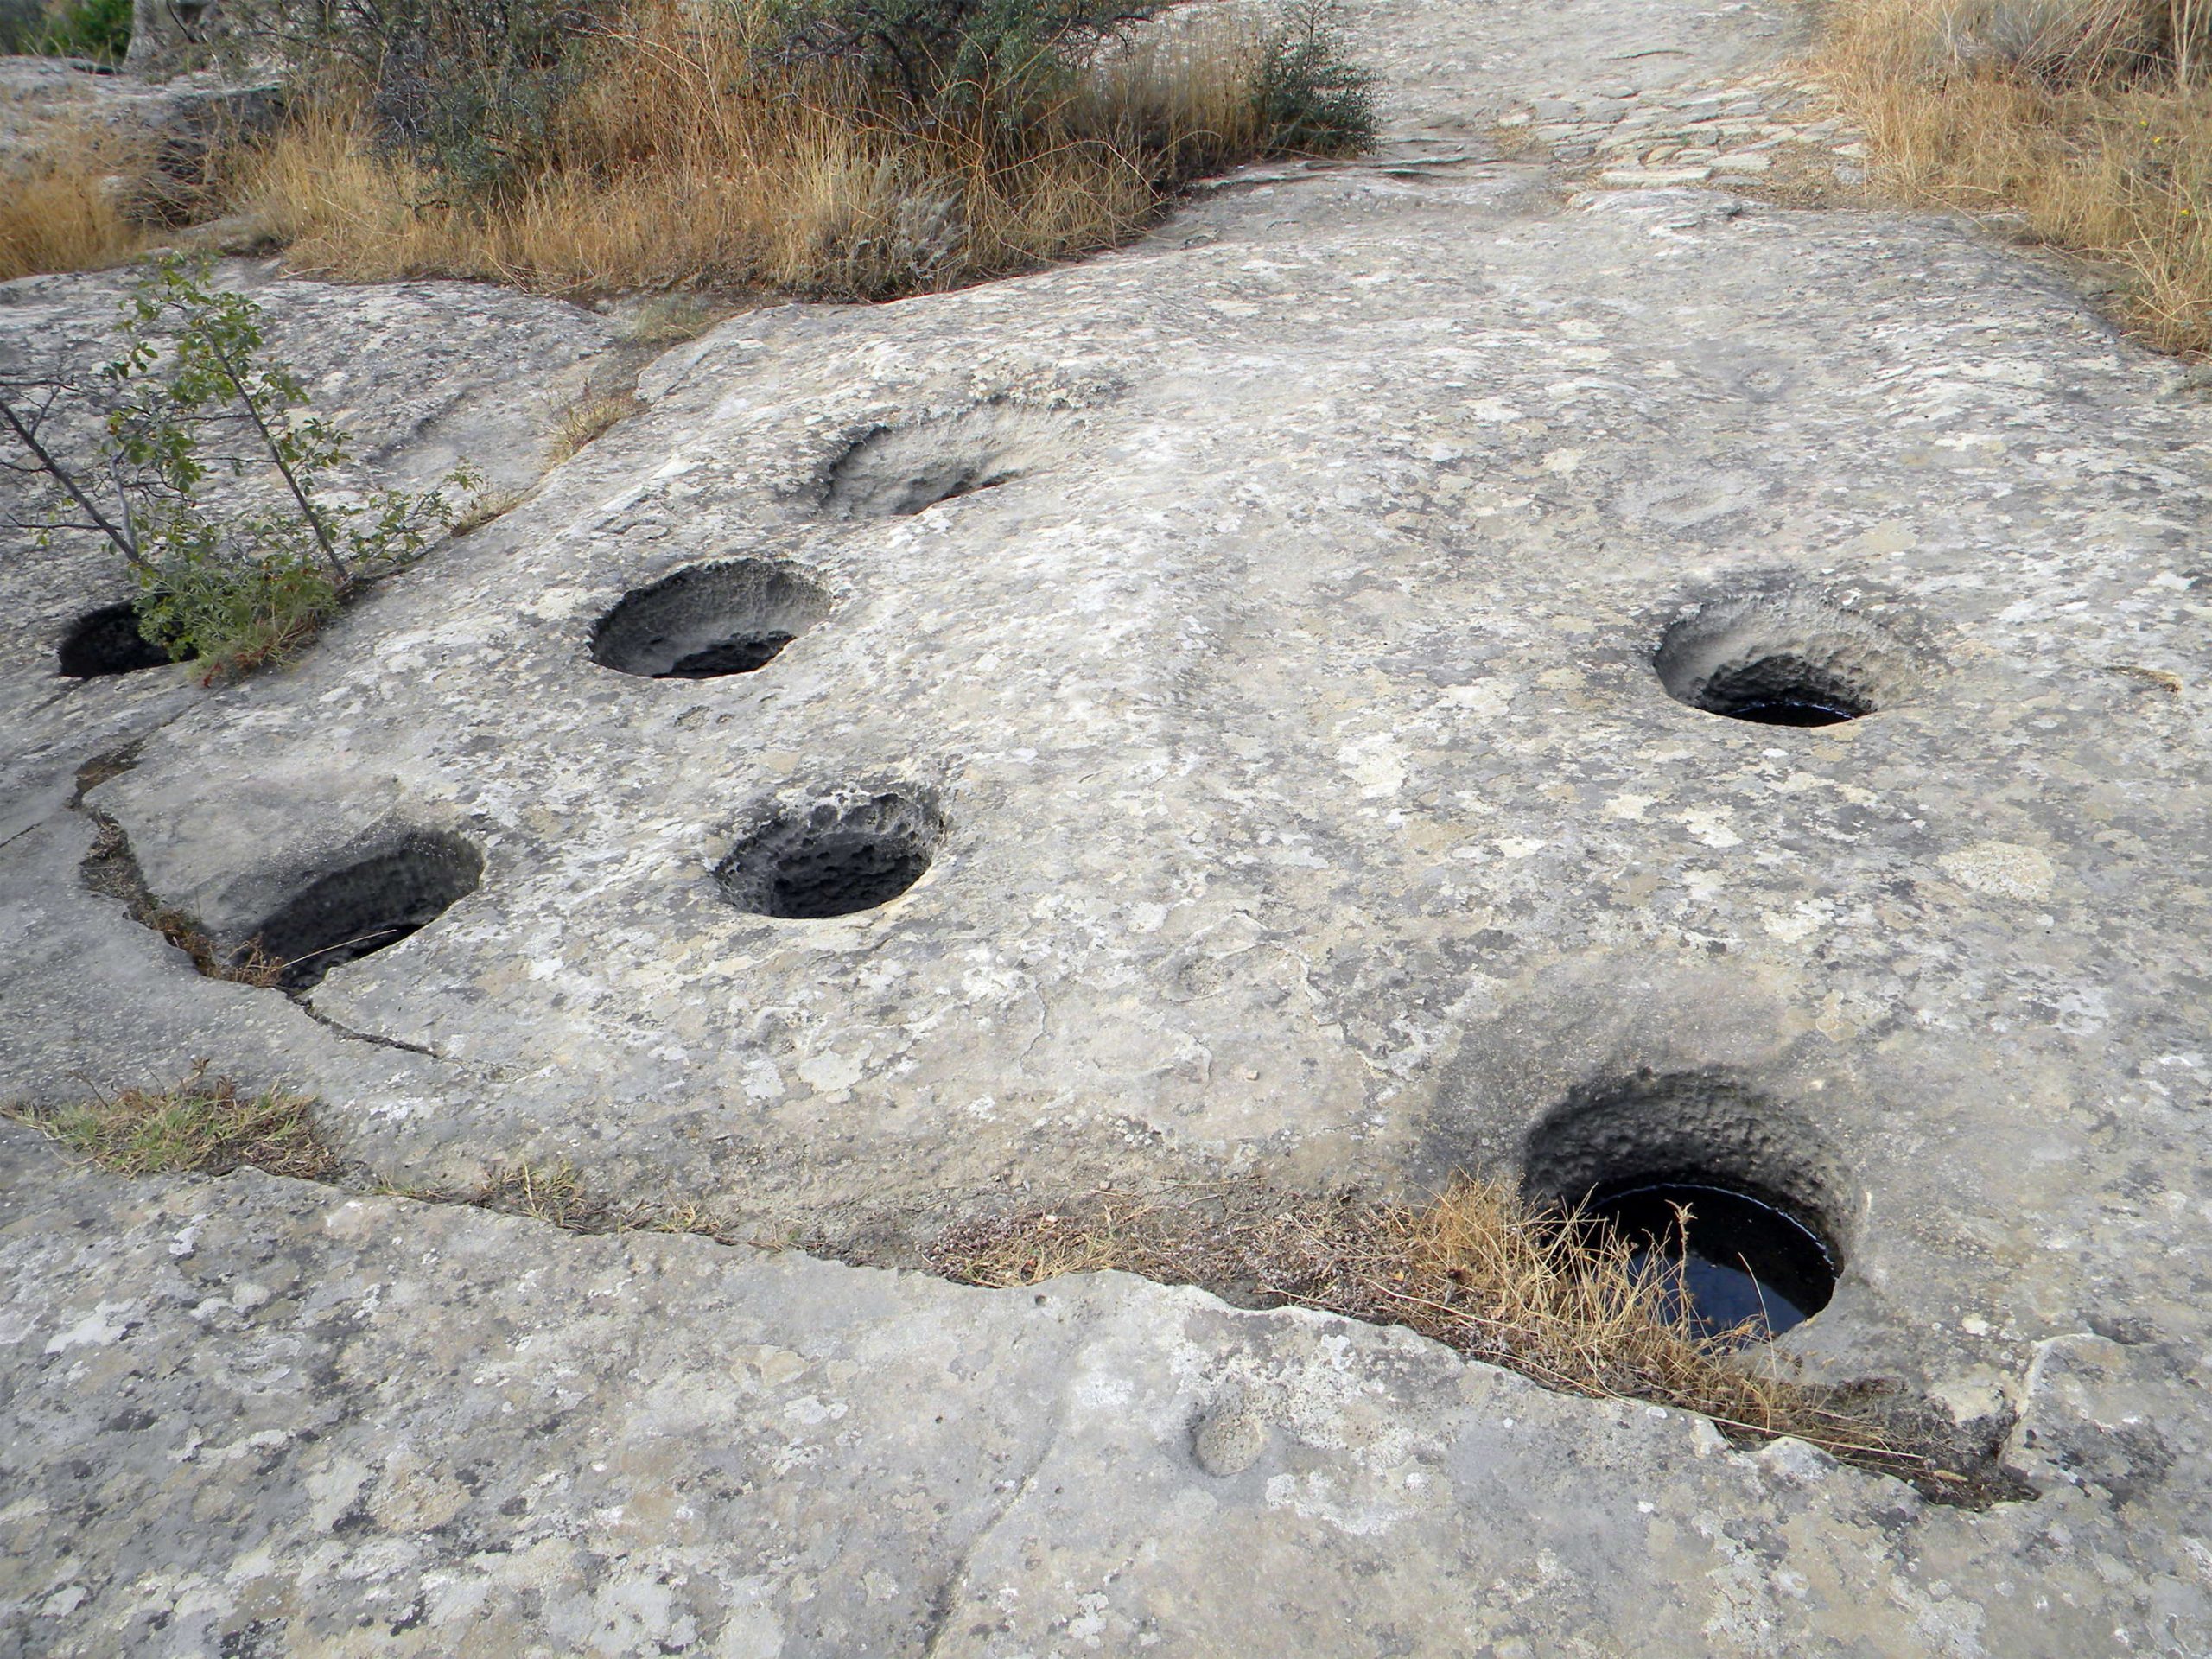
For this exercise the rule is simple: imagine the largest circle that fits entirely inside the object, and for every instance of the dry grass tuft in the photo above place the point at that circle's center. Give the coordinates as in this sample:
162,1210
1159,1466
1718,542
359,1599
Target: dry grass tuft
1477,1270
672,319
110,868
2091,121
198,1126
558,1195
486,506
61,201
694,155
590,416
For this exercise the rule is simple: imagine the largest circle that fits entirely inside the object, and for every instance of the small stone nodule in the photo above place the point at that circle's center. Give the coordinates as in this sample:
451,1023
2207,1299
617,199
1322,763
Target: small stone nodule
1732,1259
1229,1442
709,620
107,641
369,905
840,857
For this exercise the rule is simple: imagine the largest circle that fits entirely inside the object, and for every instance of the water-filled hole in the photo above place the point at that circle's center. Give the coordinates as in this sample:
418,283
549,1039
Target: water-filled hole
1729,1260
838,856
1784,690
1760,1182
710,621
107,641
366,906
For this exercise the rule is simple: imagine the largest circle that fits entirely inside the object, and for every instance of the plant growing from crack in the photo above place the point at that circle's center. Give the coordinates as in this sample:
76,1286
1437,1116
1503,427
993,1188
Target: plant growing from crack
126,455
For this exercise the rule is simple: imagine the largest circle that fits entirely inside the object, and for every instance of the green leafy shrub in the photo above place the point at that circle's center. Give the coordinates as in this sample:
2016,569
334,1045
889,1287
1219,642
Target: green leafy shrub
476,86
472,87
193,394
99,29
20,23
1313,98
943,60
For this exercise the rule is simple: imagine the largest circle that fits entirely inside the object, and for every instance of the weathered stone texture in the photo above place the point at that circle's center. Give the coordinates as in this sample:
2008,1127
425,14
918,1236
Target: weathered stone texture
1283,669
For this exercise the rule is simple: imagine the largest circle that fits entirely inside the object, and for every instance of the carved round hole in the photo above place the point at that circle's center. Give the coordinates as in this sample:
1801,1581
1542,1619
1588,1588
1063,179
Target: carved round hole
369,905
1731,1260
107,641
709,620
836,856
1732,1198
1781,657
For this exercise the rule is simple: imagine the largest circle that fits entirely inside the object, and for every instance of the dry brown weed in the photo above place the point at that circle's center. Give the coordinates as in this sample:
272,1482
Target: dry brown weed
1479,1270
693,156
2094,129
62,200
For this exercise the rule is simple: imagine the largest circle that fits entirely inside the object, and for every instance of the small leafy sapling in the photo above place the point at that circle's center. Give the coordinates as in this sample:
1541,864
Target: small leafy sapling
194,396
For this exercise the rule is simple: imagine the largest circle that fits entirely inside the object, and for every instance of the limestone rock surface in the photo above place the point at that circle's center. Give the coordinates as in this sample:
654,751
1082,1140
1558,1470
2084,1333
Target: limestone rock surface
1288,647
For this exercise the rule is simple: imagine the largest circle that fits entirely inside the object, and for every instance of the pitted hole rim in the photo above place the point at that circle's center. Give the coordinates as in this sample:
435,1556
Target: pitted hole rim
1744,1262
371,900
842,855
103,643
1779,654
711,620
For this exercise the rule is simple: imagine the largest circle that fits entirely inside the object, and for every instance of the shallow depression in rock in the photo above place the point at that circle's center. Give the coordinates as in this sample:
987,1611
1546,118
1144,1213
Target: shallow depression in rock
368,905
107,641
734,617
834,858
897,471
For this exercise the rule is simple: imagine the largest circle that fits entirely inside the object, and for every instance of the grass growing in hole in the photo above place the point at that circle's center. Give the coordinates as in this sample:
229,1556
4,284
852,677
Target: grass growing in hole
111,869
2093,121
199,1126
1477,1269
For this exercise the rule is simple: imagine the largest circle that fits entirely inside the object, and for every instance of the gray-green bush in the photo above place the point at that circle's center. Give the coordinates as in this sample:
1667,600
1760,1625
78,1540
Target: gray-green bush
193,395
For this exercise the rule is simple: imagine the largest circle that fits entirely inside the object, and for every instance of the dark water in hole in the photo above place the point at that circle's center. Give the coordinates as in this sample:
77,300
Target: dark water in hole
1789,711
739,656
1745,1260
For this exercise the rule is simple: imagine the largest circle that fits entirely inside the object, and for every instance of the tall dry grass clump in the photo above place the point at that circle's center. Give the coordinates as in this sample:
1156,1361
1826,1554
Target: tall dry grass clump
62,195
693,145
2092,119
1570,1305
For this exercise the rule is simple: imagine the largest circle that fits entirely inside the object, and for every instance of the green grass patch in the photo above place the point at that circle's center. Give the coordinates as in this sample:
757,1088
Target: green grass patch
200,1125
